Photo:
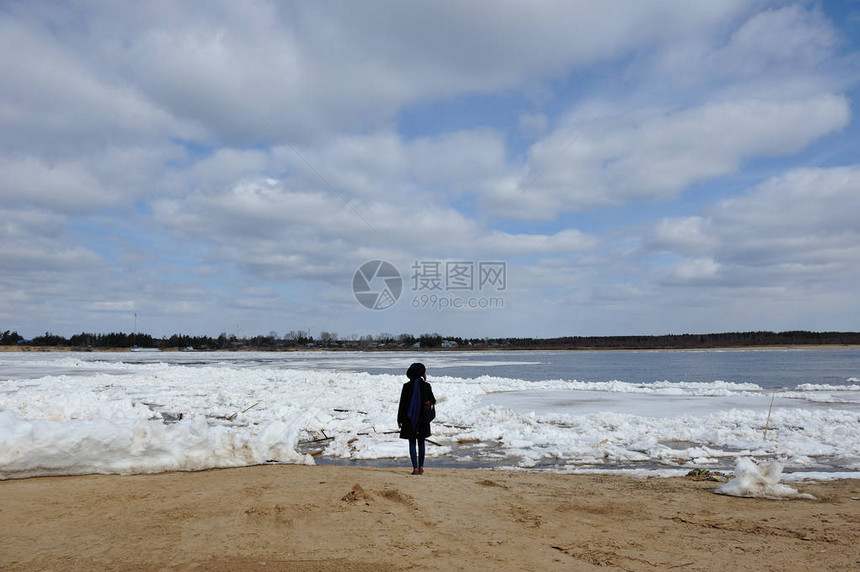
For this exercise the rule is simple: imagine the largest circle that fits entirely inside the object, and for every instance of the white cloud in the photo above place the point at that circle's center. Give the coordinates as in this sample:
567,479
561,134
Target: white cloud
796,228
462,159
810,200
222,168
781,52
778,40
293,234
21,226
125,306
370,165
563,242
533,124
58,101
685,235
217,74
67,186
658,154
697,269
37,261
212,71
141,150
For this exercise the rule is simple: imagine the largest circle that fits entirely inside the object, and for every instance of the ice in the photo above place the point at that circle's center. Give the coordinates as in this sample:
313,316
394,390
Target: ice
42,447
127,413
760,481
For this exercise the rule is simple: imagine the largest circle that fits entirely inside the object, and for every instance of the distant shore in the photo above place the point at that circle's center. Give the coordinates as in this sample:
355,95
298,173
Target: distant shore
536,348
302,341
325,518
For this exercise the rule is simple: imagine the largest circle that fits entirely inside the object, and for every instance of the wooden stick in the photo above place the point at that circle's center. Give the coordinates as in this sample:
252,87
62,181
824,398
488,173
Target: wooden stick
767,423
233,415
395,432
316,440
319,440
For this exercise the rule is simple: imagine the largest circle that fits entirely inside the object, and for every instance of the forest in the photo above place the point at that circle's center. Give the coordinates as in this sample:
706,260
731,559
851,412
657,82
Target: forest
327,340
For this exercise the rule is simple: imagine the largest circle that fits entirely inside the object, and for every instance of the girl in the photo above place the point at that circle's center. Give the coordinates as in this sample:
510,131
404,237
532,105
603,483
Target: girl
416,410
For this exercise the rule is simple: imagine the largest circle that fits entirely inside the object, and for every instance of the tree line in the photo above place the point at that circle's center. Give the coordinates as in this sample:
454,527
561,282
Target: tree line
694,341
329,340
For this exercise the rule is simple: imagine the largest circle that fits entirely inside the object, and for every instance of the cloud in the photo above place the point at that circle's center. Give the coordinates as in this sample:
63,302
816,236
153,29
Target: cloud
138,74
219,72
465,160
58,100
20,226
152,149
39,261
43,274
125,306
533,124
563,242
278,232
33,246
696,270
687,235
110,177
776,41
221,168
66,186
656,154
791,229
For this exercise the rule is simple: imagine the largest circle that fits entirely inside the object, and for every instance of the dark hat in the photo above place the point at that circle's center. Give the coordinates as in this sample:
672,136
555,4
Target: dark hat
415,370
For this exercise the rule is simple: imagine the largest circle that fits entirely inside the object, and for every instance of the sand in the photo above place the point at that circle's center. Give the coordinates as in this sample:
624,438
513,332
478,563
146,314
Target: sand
346,518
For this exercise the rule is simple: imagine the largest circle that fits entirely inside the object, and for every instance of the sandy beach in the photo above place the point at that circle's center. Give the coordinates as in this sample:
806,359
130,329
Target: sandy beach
326,518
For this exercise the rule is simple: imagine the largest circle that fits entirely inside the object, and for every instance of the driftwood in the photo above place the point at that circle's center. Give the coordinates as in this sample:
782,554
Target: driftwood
327,438
398,432
767,423
316,440
324,438
232,416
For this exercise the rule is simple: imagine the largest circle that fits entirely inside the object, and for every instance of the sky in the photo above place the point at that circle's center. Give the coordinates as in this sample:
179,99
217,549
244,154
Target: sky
476,169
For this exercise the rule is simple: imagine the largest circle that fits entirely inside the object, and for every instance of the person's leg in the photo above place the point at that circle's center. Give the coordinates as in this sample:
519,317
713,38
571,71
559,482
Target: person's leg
413,456
421,454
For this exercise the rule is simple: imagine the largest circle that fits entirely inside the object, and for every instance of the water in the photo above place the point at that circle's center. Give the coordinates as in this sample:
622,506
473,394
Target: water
769,369
660,412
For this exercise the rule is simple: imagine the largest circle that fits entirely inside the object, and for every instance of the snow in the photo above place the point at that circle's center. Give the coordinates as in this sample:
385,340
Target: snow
43,447
756,480
130,413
